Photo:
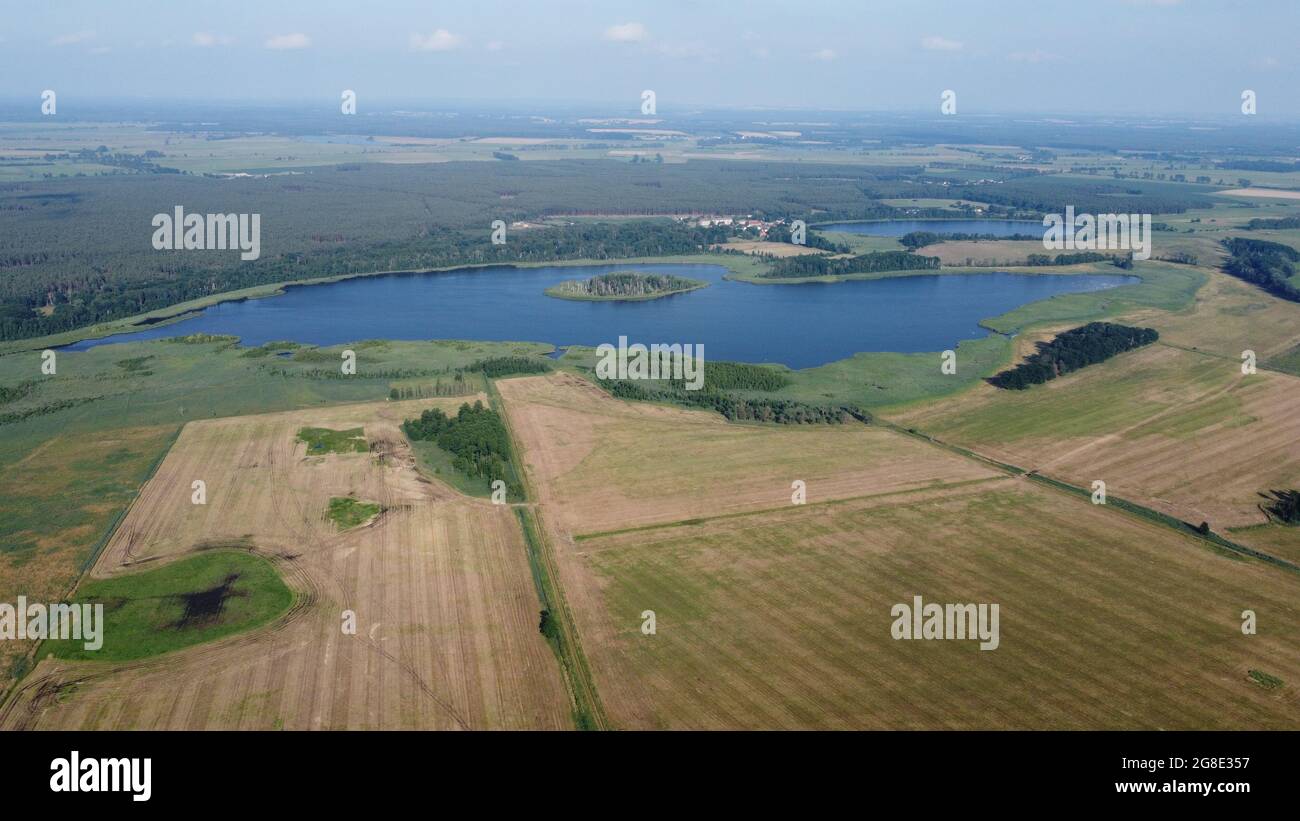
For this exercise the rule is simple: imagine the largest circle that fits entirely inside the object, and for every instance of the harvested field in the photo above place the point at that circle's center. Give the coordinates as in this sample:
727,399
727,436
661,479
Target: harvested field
783,619
445,607
602,464
769,249
1182,432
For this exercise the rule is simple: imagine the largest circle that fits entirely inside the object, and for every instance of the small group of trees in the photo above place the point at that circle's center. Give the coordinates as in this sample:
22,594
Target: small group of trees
1270,265
1285,505
476,437
498,366
624,284
453,387
1072,350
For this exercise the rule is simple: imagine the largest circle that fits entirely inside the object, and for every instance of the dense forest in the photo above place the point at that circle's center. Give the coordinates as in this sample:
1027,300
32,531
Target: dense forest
1071,350
626,285
809,265
1270,265
476,436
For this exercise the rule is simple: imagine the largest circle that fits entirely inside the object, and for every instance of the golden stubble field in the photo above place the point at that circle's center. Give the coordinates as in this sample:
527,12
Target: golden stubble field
445,605
601,464
775,615
1175,426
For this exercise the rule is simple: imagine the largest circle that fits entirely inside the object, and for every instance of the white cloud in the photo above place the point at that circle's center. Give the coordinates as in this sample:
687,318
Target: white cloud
937,43
284,41
824,54
626,33
73,38
100,50
495,45
437,40
205,39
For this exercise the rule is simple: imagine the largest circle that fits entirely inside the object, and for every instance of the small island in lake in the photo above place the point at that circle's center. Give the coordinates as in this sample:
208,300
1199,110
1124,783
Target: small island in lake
624,286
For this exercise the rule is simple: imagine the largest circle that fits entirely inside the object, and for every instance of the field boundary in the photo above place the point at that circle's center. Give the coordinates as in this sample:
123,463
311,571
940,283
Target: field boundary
588,712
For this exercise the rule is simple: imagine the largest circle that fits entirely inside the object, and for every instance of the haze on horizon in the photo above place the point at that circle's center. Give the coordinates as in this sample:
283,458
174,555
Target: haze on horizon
1175,57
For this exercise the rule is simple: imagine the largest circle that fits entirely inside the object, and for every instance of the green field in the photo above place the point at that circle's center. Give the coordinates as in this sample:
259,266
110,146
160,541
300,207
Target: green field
323,440
348,513
189,601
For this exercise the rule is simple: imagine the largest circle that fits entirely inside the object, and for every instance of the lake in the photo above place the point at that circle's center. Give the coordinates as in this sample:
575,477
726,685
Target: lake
798,325
897,228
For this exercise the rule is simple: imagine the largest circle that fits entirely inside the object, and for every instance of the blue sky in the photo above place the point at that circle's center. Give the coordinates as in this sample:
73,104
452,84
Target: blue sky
1122,56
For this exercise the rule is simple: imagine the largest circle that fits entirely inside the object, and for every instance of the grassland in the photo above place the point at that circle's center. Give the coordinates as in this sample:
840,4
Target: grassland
193,600
347,513
321,441
771,614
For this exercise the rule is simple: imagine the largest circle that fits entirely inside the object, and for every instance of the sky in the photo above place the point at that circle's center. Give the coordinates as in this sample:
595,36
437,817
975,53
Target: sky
1100,56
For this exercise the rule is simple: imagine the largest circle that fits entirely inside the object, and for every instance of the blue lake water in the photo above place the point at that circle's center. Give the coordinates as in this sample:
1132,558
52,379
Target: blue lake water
897,228
798,325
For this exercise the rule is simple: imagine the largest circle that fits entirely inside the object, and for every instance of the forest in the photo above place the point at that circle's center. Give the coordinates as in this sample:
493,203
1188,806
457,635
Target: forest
1071,350
1270,265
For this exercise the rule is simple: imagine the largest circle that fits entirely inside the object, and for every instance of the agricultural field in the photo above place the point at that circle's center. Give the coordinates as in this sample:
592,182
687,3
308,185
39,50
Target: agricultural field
1176,426
630,458
770,614
444,604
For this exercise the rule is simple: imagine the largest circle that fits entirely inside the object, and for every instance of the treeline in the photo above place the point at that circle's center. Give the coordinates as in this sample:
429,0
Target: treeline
498,366
817,266
1071,350
776,411
1080,257
919,239
1280,223
476,436
456,387
1258,165
1270,265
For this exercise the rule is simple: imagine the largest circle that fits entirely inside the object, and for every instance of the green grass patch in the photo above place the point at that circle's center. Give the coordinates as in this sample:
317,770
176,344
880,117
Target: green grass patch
323,440
187,602
1265,680
348,513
